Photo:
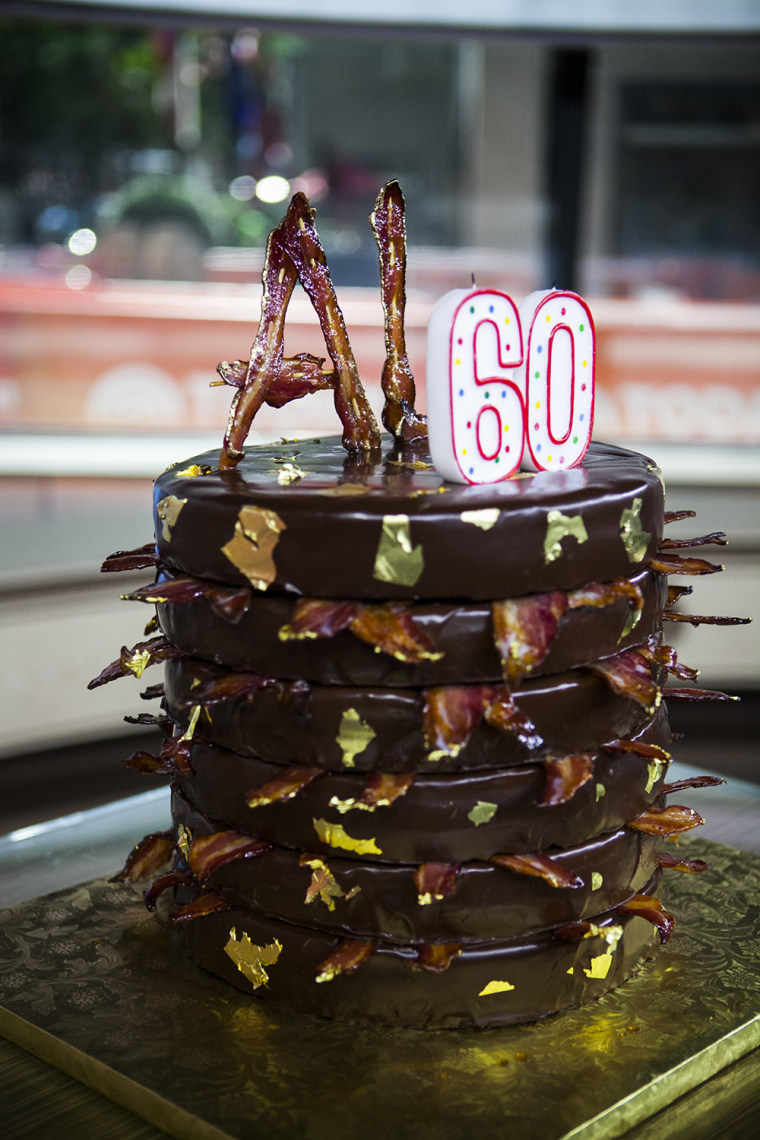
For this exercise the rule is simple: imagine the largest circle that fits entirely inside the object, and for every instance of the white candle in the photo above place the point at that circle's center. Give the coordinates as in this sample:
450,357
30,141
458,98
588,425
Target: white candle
557,377
475,403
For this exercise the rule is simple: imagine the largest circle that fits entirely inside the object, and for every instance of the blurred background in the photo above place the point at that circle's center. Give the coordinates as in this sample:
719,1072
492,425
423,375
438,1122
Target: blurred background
147,149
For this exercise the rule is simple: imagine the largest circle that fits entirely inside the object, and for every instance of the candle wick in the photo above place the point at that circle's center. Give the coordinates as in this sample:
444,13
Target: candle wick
472,278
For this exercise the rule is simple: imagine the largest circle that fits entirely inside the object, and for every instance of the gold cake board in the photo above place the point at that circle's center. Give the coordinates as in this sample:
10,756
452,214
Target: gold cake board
95,986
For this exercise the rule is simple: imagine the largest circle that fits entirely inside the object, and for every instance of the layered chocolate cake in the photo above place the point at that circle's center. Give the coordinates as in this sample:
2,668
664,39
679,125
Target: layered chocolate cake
415,729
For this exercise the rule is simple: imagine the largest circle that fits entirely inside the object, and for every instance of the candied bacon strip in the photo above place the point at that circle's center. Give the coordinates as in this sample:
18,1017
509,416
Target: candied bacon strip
564,776
164,723
717,538
283,787
389,227
666,656
210,852
704,619
436,956
347,957
605,593
141,558
523,631
675,593
501,712
697,695
315,617
629,675
165,883
678,516
278,278
152,692
149,765
674,564
384,788
229,686
228,602
435,881
688,866
391,629
299,376
450,716
146,857
302,244
652,910
640,748
540,866
207,903
672,820
136,660
692,782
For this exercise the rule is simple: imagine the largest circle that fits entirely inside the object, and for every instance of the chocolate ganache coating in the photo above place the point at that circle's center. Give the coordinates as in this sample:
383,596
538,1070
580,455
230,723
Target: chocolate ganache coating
385,525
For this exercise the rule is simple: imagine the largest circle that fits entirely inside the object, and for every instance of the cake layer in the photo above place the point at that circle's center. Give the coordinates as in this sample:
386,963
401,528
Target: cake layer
347,727
358,899
419,818
488,983
305,517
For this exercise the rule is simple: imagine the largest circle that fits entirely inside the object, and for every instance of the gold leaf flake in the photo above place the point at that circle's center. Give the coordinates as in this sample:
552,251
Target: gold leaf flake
484,518
347,489
635,539
353,736
600,791
559,526
655,768
658,472
483,812
289,473
168,511
495,988
631,621
137,662
189,732
192,472
251,959
342,806
396,559
335,835
323,883
257,532
184,839
597,879
599,967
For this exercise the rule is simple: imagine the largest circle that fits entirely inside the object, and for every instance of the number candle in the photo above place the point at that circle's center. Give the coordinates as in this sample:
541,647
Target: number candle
557,376
475,409
487,397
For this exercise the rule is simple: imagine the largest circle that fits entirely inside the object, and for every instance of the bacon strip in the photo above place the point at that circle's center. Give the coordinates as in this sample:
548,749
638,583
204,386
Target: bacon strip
501,712
146,857
564,776
523,631
165,883
717,538
697,695
640,748
230,686
689,866
230,603
436,956
678,516
391,629
605,593
136,660
542,867
141,558
674,564
451,714
210,852
629,675
692,782
314,618
675,593
652,910
672,820
348,955
389,227
283,787
703,619
435,881
207,903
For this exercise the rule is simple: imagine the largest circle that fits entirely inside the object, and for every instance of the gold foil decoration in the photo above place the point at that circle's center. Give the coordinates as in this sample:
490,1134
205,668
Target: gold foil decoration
289,473
353,736
600,791
251,959
483,812
138,661
559,526
335,835
192,472
495,988
599,967
631,621
168,510
597,879
323,884
655,768
635,539
184,839
485,518
397,560
189,732
342,806
346,489
658,472
257,532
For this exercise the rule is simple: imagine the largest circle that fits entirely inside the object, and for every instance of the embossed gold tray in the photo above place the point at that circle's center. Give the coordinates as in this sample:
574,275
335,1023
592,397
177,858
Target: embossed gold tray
95,986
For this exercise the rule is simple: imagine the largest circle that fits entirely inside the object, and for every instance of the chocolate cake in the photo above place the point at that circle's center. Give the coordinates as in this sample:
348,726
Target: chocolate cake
415,729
